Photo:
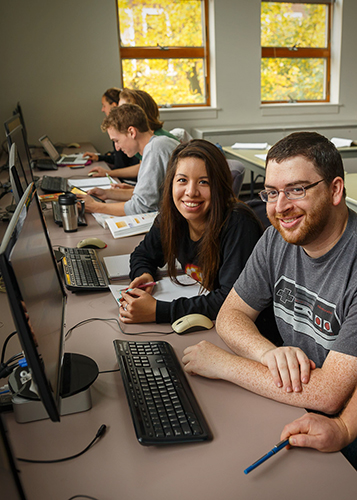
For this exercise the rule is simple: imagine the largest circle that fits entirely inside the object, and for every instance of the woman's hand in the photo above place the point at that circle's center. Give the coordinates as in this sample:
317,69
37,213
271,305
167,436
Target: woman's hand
99,171
289,366
141,280
137,306
91,156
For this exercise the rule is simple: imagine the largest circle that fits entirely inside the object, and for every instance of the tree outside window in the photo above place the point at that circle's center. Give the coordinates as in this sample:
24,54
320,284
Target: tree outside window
296,51
164,49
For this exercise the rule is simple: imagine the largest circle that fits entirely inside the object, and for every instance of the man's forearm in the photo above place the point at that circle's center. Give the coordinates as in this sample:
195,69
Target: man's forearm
130,172
317,395
110,208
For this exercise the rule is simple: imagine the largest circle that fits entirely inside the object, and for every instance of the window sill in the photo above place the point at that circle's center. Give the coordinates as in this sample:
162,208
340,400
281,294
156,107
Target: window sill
288,109
168,114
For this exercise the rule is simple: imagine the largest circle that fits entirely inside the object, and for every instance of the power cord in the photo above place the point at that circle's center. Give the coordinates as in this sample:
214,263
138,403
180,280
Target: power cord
100,433
82,496
84,322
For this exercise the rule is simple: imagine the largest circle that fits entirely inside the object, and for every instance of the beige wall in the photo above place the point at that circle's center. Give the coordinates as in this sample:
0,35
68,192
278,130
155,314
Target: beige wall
61,55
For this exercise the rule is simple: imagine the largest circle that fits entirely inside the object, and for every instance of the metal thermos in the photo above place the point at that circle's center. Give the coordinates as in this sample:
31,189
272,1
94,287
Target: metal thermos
69,211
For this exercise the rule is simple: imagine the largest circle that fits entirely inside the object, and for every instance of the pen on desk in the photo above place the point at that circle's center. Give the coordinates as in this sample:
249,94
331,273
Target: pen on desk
272,452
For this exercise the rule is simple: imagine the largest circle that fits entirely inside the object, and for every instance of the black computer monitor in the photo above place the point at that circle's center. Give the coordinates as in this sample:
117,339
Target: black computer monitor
16,135
11,487
36,296
18,111
17,175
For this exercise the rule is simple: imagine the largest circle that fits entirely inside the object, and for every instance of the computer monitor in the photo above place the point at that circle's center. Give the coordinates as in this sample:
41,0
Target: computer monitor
17,176
15,135
36,296
11,487
18,111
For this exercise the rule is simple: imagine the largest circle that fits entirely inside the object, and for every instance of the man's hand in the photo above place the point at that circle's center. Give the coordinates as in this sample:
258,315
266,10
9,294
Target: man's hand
137,306
99,171
99,193
316,431
91,156
289,366
90,204
206,359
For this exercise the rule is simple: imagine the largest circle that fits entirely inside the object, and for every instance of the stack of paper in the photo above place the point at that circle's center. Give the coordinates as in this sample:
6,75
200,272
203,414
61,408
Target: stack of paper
341,143
250,145
130,225
92,182
118,267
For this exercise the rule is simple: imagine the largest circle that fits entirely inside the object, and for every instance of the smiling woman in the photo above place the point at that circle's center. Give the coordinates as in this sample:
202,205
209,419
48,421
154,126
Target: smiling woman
202,226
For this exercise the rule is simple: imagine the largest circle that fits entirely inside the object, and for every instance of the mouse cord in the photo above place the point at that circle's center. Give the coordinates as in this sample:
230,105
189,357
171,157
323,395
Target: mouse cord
100,433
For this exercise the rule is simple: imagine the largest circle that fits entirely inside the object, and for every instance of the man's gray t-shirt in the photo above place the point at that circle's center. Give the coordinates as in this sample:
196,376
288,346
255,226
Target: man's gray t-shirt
147,192
315,300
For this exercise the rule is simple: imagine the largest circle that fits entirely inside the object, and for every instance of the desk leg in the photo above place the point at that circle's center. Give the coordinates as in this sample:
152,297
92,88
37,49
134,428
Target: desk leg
251,185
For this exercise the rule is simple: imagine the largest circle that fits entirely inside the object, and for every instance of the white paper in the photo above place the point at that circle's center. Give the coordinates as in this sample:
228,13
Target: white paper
341,143
166,290
261,157
92,182
250,145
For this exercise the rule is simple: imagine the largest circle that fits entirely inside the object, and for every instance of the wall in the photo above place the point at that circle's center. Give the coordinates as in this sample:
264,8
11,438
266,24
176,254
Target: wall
60,56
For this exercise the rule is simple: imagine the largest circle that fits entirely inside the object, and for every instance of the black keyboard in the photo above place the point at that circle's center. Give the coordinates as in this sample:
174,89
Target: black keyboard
58,219
163,408
83,271
54,184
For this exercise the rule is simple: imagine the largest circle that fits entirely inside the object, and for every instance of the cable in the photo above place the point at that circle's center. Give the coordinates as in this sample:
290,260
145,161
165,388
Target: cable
5,344
84,322
82,496
100,433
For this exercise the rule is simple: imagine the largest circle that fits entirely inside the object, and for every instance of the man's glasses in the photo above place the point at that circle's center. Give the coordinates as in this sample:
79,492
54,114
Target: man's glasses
292,193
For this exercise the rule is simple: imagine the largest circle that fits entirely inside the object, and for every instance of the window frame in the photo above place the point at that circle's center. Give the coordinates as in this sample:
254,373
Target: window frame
173,53
305,52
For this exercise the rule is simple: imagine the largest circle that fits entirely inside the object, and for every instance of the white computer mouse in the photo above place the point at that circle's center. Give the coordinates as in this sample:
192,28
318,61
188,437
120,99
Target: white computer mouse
91,243
191,323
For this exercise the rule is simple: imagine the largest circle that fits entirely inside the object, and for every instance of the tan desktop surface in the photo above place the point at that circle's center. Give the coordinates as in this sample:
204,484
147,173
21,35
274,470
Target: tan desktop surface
245,427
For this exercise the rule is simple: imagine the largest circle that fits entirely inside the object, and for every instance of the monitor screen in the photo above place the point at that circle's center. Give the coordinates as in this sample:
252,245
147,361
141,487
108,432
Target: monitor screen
37,297
17,176
16,136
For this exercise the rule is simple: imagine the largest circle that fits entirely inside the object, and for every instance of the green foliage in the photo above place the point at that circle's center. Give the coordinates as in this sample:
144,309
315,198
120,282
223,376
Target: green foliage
167,23
289,25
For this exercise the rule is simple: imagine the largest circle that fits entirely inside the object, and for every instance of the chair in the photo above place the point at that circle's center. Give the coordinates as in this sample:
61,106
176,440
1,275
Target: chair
181,134
237,169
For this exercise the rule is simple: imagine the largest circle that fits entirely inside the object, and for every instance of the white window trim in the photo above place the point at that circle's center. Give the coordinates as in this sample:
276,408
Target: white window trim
332,107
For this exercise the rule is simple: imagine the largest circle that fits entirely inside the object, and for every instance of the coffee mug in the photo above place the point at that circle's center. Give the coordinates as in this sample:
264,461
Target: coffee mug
69,211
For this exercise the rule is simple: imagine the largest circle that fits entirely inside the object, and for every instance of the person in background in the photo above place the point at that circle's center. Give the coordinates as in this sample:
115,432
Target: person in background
203,226
305,265
115,159
128,128
147,103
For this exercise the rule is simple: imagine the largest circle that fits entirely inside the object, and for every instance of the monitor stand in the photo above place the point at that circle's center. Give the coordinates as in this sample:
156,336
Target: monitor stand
78,374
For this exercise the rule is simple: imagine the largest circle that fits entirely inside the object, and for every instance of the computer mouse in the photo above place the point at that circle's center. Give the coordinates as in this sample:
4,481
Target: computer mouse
91,174
73,145
191,323
91,243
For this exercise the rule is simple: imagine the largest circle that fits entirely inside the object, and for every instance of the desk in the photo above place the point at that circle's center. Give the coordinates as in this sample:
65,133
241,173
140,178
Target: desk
245,426
257,165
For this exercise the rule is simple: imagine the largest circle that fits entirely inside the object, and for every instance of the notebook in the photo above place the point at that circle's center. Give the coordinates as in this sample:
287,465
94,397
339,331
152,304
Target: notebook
73,159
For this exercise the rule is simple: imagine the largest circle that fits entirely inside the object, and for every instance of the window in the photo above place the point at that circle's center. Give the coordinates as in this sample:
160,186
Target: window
296,51
164,49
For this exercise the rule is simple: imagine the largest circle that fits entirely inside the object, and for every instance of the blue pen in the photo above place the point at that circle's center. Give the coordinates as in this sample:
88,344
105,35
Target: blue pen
270,453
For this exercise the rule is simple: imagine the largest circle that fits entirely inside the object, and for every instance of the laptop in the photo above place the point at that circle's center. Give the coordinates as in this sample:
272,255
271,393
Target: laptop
72,159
